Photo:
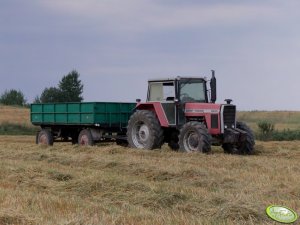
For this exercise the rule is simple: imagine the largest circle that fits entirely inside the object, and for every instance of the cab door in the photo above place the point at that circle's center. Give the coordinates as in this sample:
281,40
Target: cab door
164,92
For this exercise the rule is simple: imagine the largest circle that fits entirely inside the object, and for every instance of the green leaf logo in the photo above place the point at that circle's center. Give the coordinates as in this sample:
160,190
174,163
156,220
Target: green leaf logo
281,214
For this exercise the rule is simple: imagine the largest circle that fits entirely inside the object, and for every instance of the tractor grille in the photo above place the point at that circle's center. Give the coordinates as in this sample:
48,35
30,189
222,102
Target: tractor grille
229,113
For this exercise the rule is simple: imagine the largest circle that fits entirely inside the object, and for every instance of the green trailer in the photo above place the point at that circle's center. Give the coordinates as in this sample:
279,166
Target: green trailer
83,123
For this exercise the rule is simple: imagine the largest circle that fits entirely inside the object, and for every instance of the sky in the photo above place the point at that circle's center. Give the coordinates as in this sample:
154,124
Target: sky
117,45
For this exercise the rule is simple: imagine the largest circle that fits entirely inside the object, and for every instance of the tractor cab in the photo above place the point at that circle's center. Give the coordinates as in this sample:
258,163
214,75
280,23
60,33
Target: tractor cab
174,94
177,90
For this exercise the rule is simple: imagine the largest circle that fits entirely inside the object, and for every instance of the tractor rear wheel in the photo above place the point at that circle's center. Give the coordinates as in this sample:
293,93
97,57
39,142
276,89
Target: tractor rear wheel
243,148
194,137
85,138
144,130
44,137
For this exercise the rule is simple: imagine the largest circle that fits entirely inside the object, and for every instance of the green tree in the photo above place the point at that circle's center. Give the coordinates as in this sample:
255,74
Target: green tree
51,94
37,100
13,97
71,87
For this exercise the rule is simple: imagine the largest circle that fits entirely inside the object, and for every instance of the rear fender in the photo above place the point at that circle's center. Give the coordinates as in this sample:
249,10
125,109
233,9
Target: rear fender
157,108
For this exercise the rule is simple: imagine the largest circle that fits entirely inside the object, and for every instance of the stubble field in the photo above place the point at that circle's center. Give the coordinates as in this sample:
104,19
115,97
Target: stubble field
109,184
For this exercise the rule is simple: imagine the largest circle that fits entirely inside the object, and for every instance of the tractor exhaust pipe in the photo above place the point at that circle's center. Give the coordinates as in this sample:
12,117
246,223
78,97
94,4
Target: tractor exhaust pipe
213,87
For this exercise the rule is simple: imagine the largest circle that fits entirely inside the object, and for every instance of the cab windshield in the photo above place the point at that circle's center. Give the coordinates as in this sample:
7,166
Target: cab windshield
192,91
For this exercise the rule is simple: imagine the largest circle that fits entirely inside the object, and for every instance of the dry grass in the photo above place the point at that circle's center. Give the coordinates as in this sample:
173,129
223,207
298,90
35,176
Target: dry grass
15,120
108,184
281,119
18,115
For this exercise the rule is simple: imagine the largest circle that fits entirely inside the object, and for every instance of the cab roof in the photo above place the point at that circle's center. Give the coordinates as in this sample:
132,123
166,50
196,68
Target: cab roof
177,78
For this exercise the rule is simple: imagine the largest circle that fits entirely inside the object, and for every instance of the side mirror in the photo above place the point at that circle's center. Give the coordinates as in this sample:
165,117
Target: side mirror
213,87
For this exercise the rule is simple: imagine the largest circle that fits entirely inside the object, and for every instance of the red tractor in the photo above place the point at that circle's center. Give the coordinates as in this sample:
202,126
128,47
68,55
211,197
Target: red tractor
179,112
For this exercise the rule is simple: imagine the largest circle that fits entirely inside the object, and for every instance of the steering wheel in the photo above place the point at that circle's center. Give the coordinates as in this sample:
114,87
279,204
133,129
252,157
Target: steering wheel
185,97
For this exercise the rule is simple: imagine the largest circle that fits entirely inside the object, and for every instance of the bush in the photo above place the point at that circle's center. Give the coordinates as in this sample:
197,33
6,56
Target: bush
268,133
286,135
17,129
266,129
13,97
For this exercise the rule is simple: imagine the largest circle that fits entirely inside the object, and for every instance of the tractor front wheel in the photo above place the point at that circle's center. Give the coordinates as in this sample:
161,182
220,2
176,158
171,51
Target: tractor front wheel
144,130
194,137
242,148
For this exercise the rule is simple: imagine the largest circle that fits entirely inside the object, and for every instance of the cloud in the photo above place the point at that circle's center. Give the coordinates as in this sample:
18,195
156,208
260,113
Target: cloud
143,15
253,46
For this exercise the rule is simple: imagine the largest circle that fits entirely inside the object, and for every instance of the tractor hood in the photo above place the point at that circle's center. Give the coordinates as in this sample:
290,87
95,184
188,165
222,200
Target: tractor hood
217,117
201,108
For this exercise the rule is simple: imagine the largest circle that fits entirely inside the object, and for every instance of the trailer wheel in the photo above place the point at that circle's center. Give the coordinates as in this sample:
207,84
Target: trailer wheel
144,130
85,138
243,148
194,137
44,137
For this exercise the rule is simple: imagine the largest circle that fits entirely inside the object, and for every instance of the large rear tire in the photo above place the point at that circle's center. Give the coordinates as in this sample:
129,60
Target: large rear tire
144,130
44,137
243,148
85,138
194,137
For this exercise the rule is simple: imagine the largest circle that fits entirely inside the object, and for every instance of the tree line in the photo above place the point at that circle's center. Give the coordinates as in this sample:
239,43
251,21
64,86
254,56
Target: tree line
69,89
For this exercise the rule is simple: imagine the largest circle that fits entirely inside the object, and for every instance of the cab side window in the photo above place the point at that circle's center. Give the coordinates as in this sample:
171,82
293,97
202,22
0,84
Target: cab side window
162,91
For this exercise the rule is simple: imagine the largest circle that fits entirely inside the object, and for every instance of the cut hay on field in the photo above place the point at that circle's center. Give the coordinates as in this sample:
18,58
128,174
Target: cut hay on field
108,184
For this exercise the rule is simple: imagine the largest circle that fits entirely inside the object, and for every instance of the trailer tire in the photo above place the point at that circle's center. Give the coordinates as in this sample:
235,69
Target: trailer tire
194,137
44,137
245,148
144,130
85,138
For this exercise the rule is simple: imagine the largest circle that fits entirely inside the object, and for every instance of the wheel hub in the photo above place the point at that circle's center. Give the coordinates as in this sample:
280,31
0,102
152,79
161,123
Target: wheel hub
84,140
191,141
43,139
140,135
144,133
